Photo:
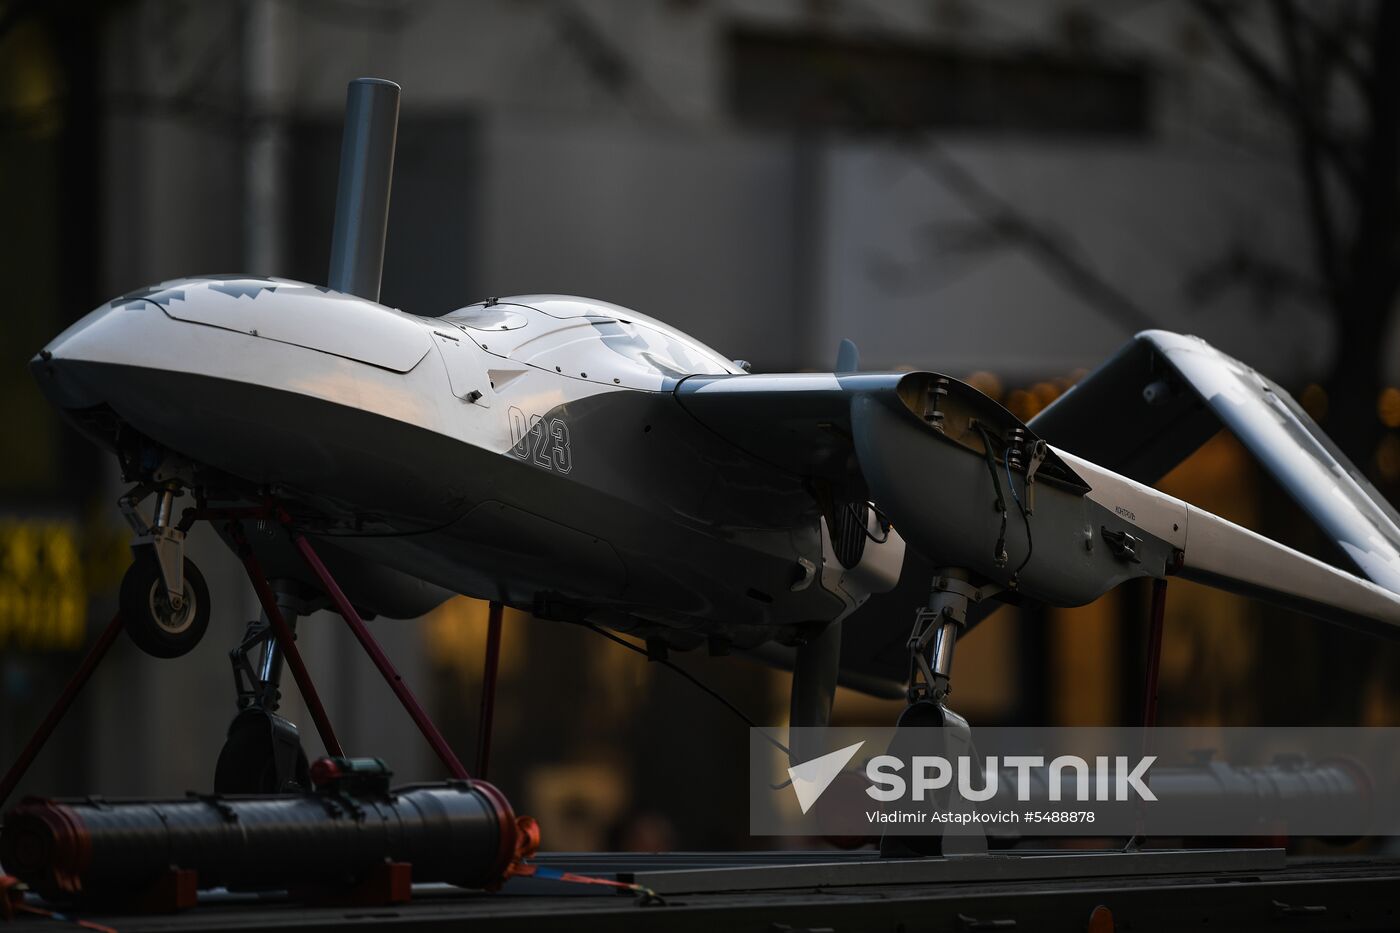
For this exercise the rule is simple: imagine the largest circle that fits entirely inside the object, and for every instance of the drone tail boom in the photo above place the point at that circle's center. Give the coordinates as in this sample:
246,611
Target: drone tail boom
1158,399
1226,556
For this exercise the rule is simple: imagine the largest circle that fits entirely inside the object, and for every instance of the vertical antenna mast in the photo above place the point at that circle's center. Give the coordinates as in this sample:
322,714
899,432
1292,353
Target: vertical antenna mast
362,196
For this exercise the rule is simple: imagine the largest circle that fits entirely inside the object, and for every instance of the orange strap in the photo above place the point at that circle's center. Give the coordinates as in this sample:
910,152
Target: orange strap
526,870
12,901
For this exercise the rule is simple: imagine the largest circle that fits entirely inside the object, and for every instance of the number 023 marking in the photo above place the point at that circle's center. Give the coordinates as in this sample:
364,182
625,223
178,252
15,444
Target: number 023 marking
543,441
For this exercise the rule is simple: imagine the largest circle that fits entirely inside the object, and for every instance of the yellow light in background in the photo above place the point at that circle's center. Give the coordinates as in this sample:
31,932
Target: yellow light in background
104,551
986,383
30,79
1025,404
1084,644
578,801
1388,407
1388,458
60,553
1022,404
1045,393
21,552
43,596
456,636
1313,398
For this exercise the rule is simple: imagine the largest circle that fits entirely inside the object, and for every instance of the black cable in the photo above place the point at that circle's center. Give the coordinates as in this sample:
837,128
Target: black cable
1000,554
1025,516
666,662
880,517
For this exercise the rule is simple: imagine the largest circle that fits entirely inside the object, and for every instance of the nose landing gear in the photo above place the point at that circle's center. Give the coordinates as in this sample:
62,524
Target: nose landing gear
164,599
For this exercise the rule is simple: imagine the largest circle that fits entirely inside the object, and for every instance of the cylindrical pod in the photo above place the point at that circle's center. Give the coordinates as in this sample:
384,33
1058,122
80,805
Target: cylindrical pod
460,832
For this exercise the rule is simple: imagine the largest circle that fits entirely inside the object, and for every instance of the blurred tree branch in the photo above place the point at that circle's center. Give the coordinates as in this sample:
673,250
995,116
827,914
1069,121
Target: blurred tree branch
1350,173
1053,249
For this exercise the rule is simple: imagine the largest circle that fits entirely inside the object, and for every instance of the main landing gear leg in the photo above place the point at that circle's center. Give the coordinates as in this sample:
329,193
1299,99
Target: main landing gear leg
262,753
927,726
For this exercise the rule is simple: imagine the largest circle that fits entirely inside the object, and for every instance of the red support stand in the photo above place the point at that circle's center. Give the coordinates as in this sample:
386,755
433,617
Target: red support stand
389,884
1149,700
286,641
1154,652
488,689
381,660
519,836
60,708
177,890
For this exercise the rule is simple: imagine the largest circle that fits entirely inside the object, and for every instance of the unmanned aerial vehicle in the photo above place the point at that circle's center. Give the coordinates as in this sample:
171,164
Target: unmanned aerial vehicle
584,462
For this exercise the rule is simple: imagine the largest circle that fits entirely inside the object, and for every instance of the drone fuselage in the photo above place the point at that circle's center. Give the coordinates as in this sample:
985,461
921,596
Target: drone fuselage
588,463
502,451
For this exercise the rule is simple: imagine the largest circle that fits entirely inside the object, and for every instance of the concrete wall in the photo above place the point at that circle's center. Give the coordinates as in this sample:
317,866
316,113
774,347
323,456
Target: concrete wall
695,228
978,255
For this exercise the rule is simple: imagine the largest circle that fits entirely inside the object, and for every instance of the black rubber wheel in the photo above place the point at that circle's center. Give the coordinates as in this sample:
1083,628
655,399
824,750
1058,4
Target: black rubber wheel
918,731
248,764
155,627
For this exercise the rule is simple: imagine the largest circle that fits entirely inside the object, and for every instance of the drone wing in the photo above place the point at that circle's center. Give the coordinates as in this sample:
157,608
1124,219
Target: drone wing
805,423
1163,395
888,438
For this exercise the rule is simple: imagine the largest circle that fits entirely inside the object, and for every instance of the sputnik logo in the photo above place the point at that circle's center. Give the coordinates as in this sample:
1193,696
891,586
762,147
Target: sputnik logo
811,778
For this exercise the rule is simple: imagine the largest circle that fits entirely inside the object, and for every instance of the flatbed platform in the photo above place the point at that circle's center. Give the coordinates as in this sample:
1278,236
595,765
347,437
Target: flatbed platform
1157,889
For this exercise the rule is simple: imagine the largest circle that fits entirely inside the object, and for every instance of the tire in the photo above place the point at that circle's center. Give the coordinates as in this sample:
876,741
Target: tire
147,616
247,763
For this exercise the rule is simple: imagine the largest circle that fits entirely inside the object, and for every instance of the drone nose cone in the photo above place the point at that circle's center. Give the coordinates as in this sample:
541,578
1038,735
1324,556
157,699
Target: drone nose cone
65,368
55,380
244,329
244,375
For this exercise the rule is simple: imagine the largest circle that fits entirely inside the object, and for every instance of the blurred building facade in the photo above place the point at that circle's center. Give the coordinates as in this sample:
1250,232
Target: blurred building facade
1003,191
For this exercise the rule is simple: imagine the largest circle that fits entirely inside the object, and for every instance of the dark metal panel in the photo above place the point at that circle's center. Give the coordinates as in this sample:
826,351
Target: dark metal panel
1148,436
1346,893
1163,395
1039,866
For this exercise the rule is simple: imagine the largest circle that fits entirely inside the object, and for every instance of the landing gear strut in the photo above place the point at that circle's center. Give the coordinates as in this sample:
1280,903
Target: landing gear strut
927,718
164,599
940,624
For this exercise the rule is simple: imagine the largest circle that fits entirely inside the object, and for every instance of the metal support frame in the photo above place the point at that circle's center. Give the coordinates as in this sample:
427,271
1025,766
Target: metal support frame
1157,624
287,642
1154,652
939,624
376,654
488,689
60,707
